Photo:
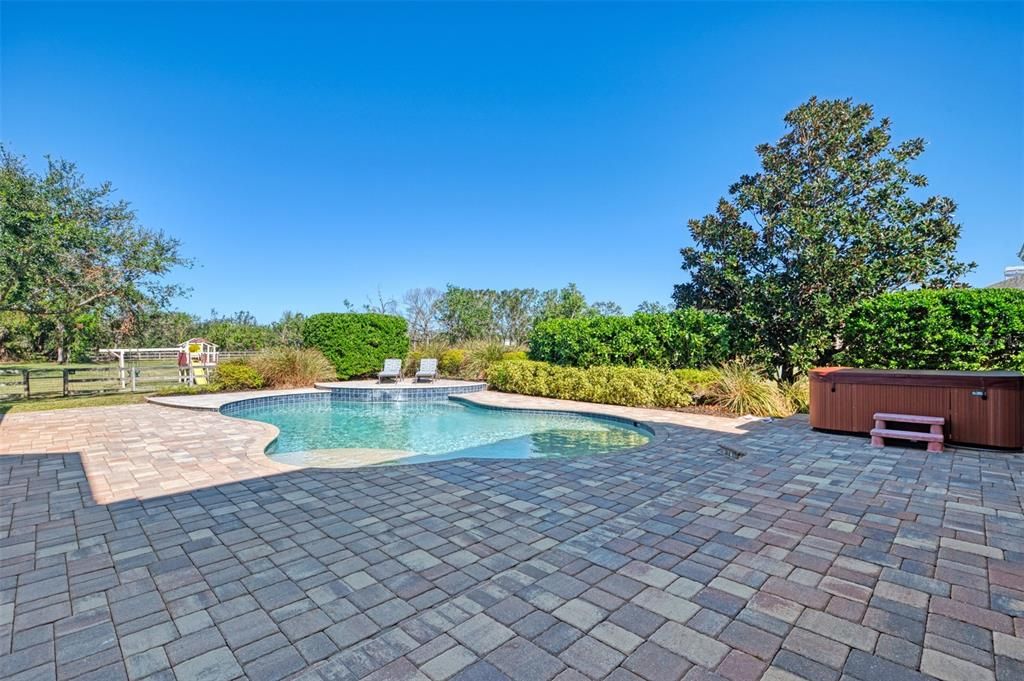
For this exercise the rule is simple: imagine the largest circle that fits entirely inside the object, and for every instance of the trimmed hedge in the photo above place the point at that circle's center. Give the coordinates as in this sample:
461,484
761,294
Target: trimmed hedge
357,343
666,340
963,329
630,387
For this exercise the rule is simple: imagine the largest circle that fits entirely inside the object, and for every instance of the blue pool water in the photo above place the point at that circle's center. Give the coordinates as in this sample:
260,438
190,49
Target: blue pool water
433,431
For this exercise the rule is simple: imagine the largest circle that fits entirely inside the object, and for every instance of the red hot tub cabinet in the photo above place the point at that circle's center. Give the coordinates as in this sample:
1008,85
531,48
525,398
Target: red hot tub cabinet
981,408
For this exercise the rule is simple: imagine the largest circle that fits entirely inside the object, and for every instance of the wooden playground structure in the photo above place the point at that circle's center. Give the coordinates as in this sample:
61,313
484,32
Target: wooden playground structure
196,360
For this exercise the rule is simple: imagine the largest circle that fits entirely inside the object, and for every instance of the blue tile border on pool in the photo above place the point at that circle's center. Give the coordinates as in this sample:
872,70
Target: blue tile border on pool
353,395
232,408
400,394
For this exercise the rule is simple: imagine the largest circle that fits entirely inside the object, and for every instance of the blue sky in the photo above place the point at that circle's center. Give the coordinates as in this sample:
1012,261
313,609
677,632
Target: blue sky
307,153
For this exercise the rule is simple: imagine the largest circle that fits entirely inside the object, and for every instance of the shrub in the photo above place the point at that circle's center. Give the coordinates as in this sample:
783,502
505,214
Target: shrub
237,376
357,343
963,329
631,387
666,340
412,361
451,361
698,377
480,355
740,388
287,367
429,349
797,395
515,354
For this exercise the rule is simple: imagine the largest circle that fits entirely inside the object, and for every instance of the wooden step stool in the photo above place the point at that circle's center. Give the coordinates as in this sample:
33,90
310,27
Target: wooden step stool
934,437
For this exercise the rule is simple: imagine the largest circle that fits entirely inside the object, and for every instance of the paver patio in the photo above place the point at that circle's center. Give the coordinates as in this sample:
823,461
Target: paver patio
150,542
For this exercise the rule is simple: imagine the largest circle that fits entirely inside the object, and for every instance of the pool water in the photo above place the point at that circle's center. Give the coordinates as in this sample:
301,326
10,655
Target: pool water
432,431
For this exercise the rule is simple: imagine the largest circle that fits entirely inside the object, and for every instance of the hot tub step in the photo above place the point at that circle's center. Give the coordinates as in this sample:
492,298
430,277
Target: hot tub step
934,440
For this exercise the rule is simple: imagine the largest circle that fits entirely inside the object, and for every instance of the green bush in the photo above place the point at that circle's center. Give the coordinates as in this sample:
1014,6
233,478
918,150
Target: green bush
631,387
237,376
451,361
357,343
962,329
741,389
430,349
287,367
698,377
515,354
797,394
665,340
480,355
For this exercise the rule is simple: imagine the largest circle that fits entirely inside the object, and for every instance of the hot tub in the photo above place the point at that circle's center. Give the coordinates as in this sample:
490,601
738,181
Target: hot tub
981,408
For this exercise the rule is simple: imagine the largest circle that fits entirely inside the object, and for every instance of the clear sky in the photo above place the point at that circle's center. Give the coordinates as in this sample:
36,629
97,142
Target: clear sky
307,153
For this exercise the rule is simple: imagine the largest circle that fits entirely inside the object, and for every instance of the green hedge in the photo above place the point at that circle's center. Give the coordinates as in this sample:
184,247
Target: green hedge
451,362
631,387
357,343
237,376
964,329
666,340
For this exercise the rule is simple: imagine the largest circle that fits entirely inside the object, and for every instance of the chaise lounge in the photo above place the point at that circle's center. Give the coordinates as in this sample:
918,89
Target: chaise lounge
428,370
392,370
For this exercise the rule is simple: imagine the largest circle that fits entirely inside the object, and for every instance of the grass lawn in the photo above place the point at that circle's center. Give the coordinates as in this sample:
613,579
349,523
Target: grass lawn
17,406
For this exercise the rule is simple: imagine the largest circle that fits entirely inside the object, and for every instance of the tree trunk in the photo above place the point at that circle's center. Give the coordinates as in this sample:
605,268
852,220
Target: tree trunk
61,336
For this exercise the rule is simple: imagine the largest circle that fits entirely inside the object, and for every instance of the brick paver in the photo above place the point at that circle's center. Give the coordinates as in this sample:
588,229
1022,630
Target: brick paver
144,542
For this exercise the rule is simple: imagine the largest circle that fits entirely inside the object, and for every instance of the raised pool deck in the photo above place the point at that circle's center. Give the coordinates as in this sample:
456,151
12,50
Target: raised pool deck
405,384
407,390
354,390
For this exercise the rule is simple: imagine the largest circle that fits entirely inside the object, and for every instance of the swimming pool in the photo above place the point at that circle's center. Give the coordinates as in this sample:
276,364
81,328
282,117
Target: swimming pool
325,432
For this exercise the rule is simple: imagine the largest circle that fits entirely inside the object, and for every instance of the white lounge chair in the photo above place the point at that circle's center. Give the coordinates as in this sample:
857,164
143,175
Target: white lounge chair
392,370
428,370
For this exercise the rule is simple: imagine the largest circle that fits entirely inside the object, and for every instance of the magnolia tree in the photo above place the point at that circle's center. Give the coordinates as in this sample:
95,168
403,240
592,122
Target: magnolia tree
834,215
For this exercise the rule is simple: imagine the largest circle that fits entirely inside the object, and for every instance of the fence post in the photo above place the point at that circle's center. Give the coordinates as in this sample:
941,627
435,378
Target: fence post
65,377
28,388
134,371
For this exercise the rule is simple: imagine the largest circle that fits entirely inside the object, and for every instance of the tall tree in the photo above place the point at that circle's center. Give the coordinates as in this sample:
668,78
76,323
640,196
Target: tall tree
567,302
606,308
651,307
382,304
467,314
515,310
288,329
69,251
421,309
832,217
239,331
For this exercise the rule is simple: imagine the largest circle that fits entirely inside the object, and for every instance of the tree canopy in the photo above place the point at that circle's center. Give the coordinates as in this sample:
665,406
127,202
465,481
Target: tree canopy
465,314
834,215
73,257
